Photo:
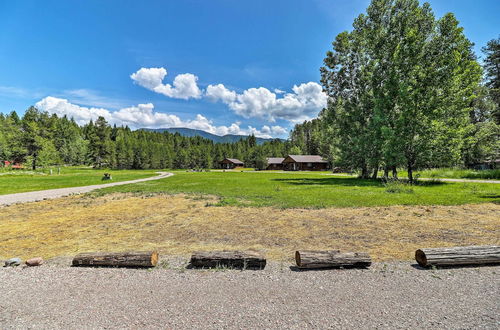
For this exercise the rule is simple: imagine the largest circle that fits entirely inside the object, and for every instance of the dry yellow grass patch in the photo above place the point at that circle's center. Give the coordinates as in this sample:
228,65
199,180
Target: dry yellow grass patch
178,225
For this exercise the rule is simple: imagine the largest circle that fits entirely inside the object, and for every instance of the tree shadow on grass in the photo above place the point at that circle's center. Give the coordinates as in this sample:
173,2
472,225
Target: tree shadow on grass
350,182
494,198
331,182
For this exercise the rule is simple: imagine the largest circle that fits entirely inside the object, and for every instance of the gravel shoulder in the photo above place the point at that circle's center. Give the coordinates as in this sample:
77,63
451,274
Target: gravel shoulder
395,295
34,196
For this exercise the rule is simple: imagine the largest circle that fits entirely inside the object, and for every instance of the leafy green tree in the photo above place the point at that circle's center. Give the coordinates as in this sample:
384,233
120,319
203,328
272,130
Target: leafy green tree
100,145
492,70
401,85
47,154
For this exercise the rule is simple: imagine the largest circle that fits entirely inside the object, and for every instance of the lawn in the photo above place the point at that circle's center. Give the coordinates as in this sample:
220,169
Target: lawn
454,173
310,190
23,181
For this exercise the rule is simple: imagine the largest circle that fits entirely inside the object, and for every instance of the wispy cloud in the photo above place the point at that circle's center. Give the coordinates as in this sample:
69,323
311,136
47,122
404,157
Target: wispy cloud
92,98
18,92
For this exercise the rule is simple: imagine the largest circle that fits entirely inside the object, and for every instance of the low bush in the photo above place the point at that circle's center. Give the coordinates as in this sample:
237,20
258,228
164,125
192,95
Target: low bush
398,187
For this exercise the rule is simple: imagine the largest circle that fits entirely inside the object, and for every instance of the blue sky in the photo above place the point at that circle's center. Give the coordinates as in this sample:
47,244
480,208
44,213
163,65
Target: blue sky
238,66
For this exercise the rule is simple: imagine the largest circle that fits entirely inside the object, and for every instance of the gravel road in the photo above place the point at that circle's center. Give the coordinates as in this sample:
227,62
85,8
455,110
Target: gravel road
388,295
34,196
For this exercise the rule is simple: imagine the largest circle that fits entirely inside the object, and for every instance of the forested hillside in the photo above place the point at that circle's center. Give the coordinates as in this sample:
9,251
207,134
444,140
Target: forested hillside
40,139
228,138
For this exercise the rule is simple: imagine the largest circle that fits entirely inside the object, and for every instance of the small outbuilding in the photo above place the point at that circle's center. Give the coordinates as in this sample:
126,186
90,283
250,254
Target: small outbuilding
231,163
275,163
304,163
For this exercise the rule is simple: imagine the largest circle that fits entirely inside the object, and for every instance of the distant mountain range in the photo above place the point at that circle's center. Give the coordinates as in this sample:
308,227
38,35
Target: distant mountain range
229,138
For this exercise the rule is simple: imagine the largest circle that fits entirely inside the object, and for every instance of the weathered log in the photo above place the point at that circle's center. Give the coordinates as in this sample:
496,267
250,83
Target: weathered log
230,259
330,259
117,259
458,256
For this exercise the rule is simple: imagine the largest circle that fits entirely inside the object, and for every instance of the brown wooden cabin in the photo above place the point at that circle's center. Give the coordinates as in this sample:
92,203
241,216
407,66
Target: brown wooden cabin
275,163
304,163
231,163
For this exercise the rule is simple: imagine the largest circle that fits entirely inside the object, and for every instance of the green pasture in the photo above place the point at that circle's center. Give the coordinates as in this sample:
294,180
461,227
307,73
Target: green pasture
312,190
16,181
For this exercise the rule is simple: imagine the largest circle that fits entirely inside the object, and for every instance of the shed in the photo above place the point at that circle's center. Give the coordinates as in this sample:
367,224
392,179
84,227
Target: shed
275,163
304,163
230,163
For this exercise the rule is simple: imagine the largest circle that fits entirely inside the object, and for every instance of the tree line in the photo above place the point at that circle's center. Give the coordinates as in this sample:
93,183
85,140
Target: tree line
405,90
40,139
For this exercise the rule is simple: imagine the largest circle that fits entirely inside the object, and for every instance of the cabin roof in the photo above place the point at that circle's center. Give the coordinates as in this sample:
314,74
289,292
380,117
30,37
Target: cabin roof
275,160
233,160
307,158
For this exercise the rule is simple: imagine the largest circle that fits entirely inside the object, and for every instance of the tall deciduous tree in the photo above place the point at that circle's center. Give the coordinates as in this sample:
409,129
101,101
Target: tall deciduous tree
492,70
401,85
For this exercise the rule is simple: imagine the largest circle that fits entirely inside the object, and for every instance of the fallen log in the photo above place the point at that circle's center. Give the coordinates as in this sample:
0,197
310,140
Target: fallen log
330,259
117,259
230,259
458,256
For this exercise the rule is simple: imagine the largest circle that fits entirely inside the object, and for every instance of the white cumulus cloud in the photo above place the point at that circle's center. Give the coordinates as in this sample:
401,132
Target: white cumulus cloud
304,103
185,85
220,92
144,116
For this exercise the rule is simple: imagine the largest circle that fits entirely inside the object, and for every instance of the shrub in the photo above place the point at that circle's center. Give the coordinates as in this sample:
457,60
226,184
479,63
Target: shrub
398,187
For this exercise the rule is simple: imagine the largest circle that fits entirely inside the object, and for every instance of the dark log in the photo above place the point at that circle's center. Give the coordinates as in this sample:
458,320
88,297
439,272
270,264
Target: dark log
458,256
230,259
117,259
330,259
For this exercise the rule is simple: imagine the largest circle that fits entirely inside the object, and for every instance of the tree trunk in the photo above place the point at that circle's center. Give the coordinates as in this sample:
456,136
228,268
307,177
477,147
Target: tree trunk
394,172
410,172
230,259
364,172
386,173
455,256
375,172
118,259
328,259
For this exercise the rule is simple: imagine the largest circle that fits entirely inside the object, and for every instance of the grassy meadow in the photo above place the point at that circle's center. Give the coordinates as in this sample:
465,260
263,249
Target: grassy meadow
22,181
311,190
454,173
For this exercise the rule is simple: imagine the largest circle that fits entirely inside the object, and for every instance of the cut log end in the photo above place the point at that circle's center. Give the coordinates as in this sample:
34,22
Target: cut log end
297,259
421,258
154,258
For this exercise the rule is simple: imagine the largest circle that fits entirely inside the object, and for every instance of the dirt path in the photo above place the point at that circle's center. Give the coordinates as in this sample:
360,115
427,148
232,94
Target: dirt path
385,296
34,196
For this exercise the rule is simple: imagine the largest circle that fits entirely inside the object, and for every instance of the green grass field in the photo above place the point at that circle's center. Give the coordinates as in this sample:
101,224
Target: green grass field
454,173
311,190
23,181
